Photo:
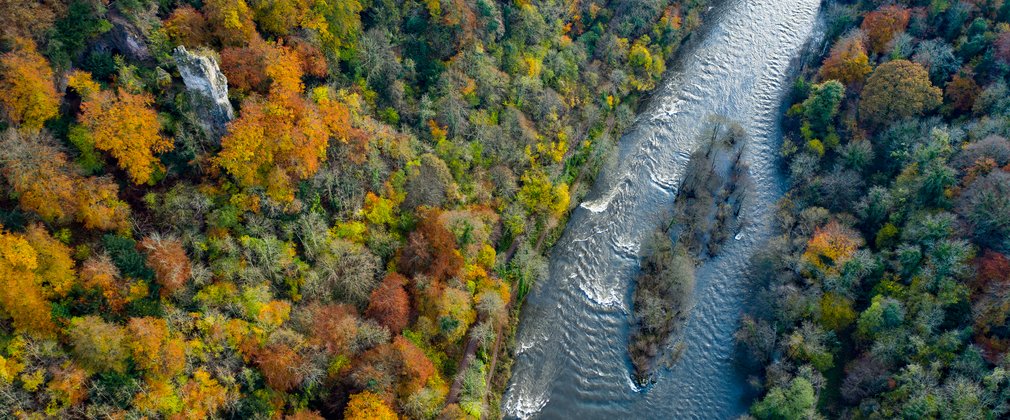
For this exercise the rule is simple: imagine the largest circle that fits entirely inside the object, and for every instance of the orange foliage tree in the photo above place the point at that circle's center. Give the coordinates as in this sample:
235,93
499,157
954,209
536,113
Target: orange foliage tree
282,138
45,183
69,385
368,405
848,62
431,250
27,93
883,24
153,349
333,328
202,396
417,368
831,246
100,273
389,303
123,124
168,260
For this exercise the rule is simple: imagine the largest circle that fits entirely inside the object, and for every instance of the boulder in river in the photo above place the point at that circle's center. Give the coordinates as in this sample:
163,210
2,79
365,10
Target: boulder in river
208,89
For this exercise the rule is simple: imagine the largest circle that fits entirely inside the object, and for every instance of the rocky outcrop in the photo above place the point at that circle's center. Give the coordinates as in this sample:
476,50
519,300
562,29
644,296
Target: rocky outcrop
125,38
208,90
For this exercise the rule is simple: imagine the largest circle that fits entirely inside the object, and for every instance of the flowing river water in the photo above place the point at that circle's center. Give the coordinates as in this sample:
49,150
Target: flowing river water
571,345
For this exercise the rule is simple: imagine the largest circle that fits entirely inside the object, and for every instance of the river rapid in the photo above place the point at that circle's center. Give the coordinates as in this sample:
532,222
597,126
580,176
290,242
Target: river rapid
571,346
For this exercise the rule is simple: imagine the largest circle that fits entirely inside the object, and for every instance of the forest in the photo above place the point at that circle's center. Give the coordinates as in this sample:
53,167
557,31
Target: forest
333,208
885,292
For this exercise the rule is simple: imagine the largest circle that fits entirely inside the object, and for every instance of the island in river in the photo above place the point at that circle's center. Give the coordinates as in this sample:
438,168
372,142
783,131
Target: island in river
705,214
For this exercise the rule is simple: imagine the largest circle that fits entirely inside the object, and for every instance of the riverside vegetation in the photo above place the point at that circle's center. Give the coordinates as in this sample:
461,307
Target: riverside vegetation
706,213
885,293
295,208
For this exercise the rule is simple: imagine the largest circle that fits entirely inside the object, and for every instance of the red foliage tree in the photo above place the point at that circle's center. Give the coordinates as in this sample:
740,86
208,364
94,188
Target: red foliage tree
333,327
431,250
377,370
961,92
245,66
279,364
883,24
1001,47
992,268
389,303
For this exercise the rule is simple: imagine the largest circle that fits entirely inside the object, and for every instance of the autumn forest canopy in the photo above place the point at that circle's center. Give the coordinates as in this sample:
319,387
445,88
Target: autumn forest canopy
315,208
885,293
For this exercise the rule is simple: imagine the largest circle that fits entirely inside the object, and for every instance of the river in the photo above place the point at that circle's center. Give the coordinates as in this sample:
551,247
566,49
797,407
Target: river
571,345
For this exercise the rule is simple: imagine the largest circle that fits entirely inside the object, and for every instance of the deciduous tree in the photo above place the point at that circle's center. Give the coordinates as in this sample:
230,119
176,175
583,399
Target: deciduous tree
21,298
431,249
168,259
883,24
389,304
187,26
831,246
98,345
279,364
368,405
897,89
961,92
27,94
848,62
282,138
123,124
230,21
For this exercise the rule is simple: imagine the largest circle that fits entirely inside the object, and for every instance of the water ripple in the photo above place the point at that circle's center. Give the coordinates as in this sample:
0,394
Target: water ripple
571,345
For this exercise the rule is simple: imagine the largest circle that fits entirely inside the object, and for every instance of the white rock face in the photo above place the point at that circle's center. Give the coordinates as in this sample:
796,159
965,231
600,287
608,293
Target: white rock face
208,89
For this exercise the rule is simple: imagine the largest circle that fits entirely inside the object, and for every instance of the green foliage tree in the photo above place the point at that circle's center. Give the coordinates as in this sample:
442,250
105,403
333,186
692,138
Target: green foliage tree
793,402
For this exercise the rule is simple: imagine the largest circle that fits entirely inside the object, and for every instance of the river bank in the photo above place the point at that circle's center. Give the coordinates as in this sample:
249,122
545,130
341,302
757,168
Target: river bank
571,345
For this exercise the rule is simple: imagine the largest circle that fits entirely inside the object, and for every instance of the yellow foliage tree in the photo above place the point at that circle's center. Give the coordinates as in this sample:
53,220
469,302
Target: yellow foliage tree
368,405
21,298
55,274
27,93
230,21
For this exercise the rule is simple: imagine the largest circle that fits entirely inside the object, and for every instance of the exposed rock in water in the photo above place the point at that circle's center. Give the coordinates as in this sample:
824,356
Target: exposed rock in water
208,90
706,213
